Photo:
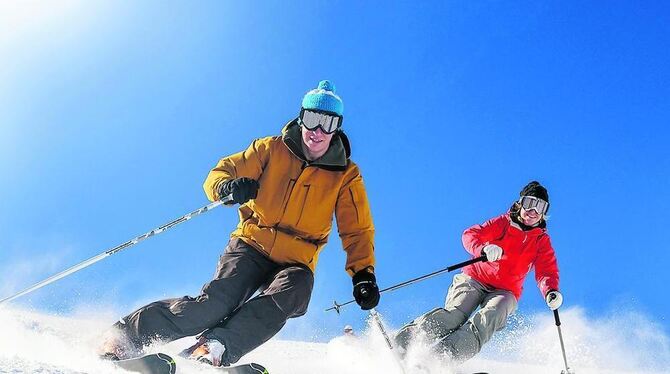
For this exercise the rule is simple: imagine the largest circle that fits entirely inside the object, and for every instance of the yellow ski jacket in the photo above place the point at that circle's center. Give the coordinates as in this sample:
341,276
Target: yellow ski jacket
292,216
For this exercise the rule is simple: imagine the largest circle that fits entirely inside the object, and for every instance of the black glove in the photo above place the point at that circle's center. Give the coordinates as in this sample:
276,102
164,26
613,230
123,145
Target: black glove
366,291
243,189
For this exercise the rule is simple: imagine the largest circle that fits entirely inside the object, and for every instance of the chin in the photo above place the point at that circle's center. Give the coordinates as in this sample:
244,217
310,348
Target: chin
317,149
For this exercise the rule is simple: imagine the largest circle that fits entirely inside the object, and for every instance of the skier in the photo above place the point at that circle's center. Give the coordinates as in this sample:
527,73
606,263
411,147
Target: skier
289,188
513,243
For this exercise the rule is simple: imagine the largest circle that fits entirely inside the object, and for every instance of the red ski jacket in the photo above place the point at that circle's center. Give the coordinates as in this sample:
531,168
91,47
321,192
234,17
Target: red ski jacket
522,250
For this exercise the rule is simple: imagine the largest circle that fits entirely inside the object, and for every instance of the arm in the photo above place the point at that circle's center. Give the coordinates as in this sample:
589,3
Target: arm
477,237
248,163
354,223
546,268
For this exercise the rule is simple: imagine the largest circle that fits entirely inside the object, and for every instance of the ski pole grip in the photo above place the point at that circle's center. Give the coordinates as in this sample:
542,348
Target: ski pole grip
466,263
557,318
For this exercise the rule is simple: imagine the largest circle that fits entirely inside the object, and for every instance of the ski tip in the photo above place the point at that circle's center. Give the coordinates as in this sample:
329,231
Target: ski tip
169,361
154,363
259,368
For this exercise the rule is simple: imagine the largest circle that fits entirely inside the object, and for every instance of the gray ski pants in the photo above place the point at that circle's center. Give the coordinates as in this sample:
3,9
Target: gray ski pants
450,328
225,309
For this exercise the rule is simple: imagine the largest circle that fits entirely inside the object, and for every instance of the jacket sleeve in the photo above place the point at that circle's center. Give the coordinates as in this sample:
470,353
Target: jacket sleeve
477,237
354,223
248,163
546,268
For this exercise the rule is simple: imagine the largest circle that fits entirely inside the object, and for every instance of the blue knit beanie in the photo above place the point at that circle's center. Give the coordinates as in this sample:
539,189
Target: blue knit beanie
323,98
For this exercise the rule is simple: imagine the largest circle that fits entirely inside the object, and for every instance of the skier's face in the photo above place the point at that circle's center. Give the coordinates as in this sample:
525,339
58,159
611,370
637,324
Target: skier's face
530,217
316,142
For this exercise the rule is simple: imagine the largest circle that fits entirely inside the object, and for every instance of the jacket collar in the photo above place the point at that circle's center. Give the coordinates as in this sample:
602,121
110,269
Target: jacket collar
536,230
336,157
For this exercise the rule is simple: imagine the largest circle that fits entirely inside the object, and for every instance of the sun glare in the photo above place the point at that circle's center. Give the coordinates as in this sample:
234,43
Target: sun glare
21,19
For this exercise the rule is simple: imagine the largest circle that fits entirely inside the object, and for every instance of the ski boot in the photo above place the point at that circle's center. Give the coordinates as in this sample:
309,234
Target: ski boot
209,351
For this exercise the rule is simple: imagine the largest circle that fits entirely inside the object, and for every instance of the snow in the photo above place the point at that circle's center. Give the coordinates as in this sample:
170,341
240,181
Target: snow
624,343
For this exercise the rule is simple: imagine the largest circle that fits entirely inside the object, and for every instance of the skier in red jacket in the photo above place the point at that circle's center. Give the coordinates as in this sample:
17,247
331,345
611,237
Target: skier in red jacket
513,243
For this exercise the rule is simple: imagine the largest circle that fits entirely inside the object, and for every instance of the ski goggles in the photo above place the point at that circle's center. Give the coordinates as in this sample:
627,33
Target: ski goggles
534,203
328,122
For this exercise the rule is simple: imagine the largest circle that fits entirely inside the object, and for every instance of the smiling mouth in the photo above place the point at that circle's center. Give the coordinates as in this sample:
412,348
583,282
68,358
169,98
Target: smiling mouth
315,140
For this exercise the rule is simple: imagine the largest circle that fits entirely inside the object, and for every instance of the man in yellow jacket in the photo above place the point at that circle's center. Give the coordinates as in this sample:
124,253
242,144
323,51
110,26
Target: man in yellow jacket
289,188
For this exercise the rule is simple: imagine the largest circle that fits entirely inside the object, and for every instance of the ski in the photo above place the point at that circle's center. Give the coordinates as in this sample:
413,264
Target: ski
155,363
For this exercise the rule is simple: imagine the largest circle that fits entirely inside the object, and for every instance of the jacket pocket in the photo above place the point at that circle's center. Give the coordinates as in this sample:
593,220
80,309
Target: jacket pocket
307,188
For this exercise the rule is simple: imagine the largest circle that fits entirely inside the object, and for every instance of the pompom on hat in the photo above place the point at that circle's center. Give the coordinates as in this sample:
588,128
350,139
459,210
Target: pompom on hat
323,98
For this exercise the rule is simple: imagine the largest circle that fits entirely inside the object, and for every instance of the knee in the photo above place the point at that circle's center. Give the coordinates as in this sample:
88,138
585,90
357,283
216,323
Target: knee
509,303
293,295
440,317
492,318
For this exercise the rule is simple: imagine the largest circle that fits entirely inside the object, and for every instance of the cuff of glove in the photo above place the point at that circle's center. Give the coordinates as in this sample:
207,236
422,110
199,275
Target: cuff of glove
364,276
481,249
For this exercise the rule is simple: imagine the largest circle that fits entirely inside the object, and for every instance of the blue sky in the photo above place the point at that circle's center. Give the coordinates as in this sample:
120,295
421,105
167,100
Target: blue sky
112,113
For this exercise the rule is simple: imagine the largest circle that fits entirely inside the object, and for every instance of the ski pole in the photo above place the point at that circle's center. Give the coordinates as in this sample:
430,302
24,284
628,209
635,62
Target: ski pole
378,322
481,258
118,248
560,337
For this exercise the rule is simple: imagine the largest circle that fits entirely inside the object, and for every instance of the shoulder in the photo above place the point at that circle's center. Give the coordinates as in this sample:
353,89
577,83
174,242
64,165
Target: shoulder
502,220
351,175
269,140
351,165
266,144
545,238
352,170
500,223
